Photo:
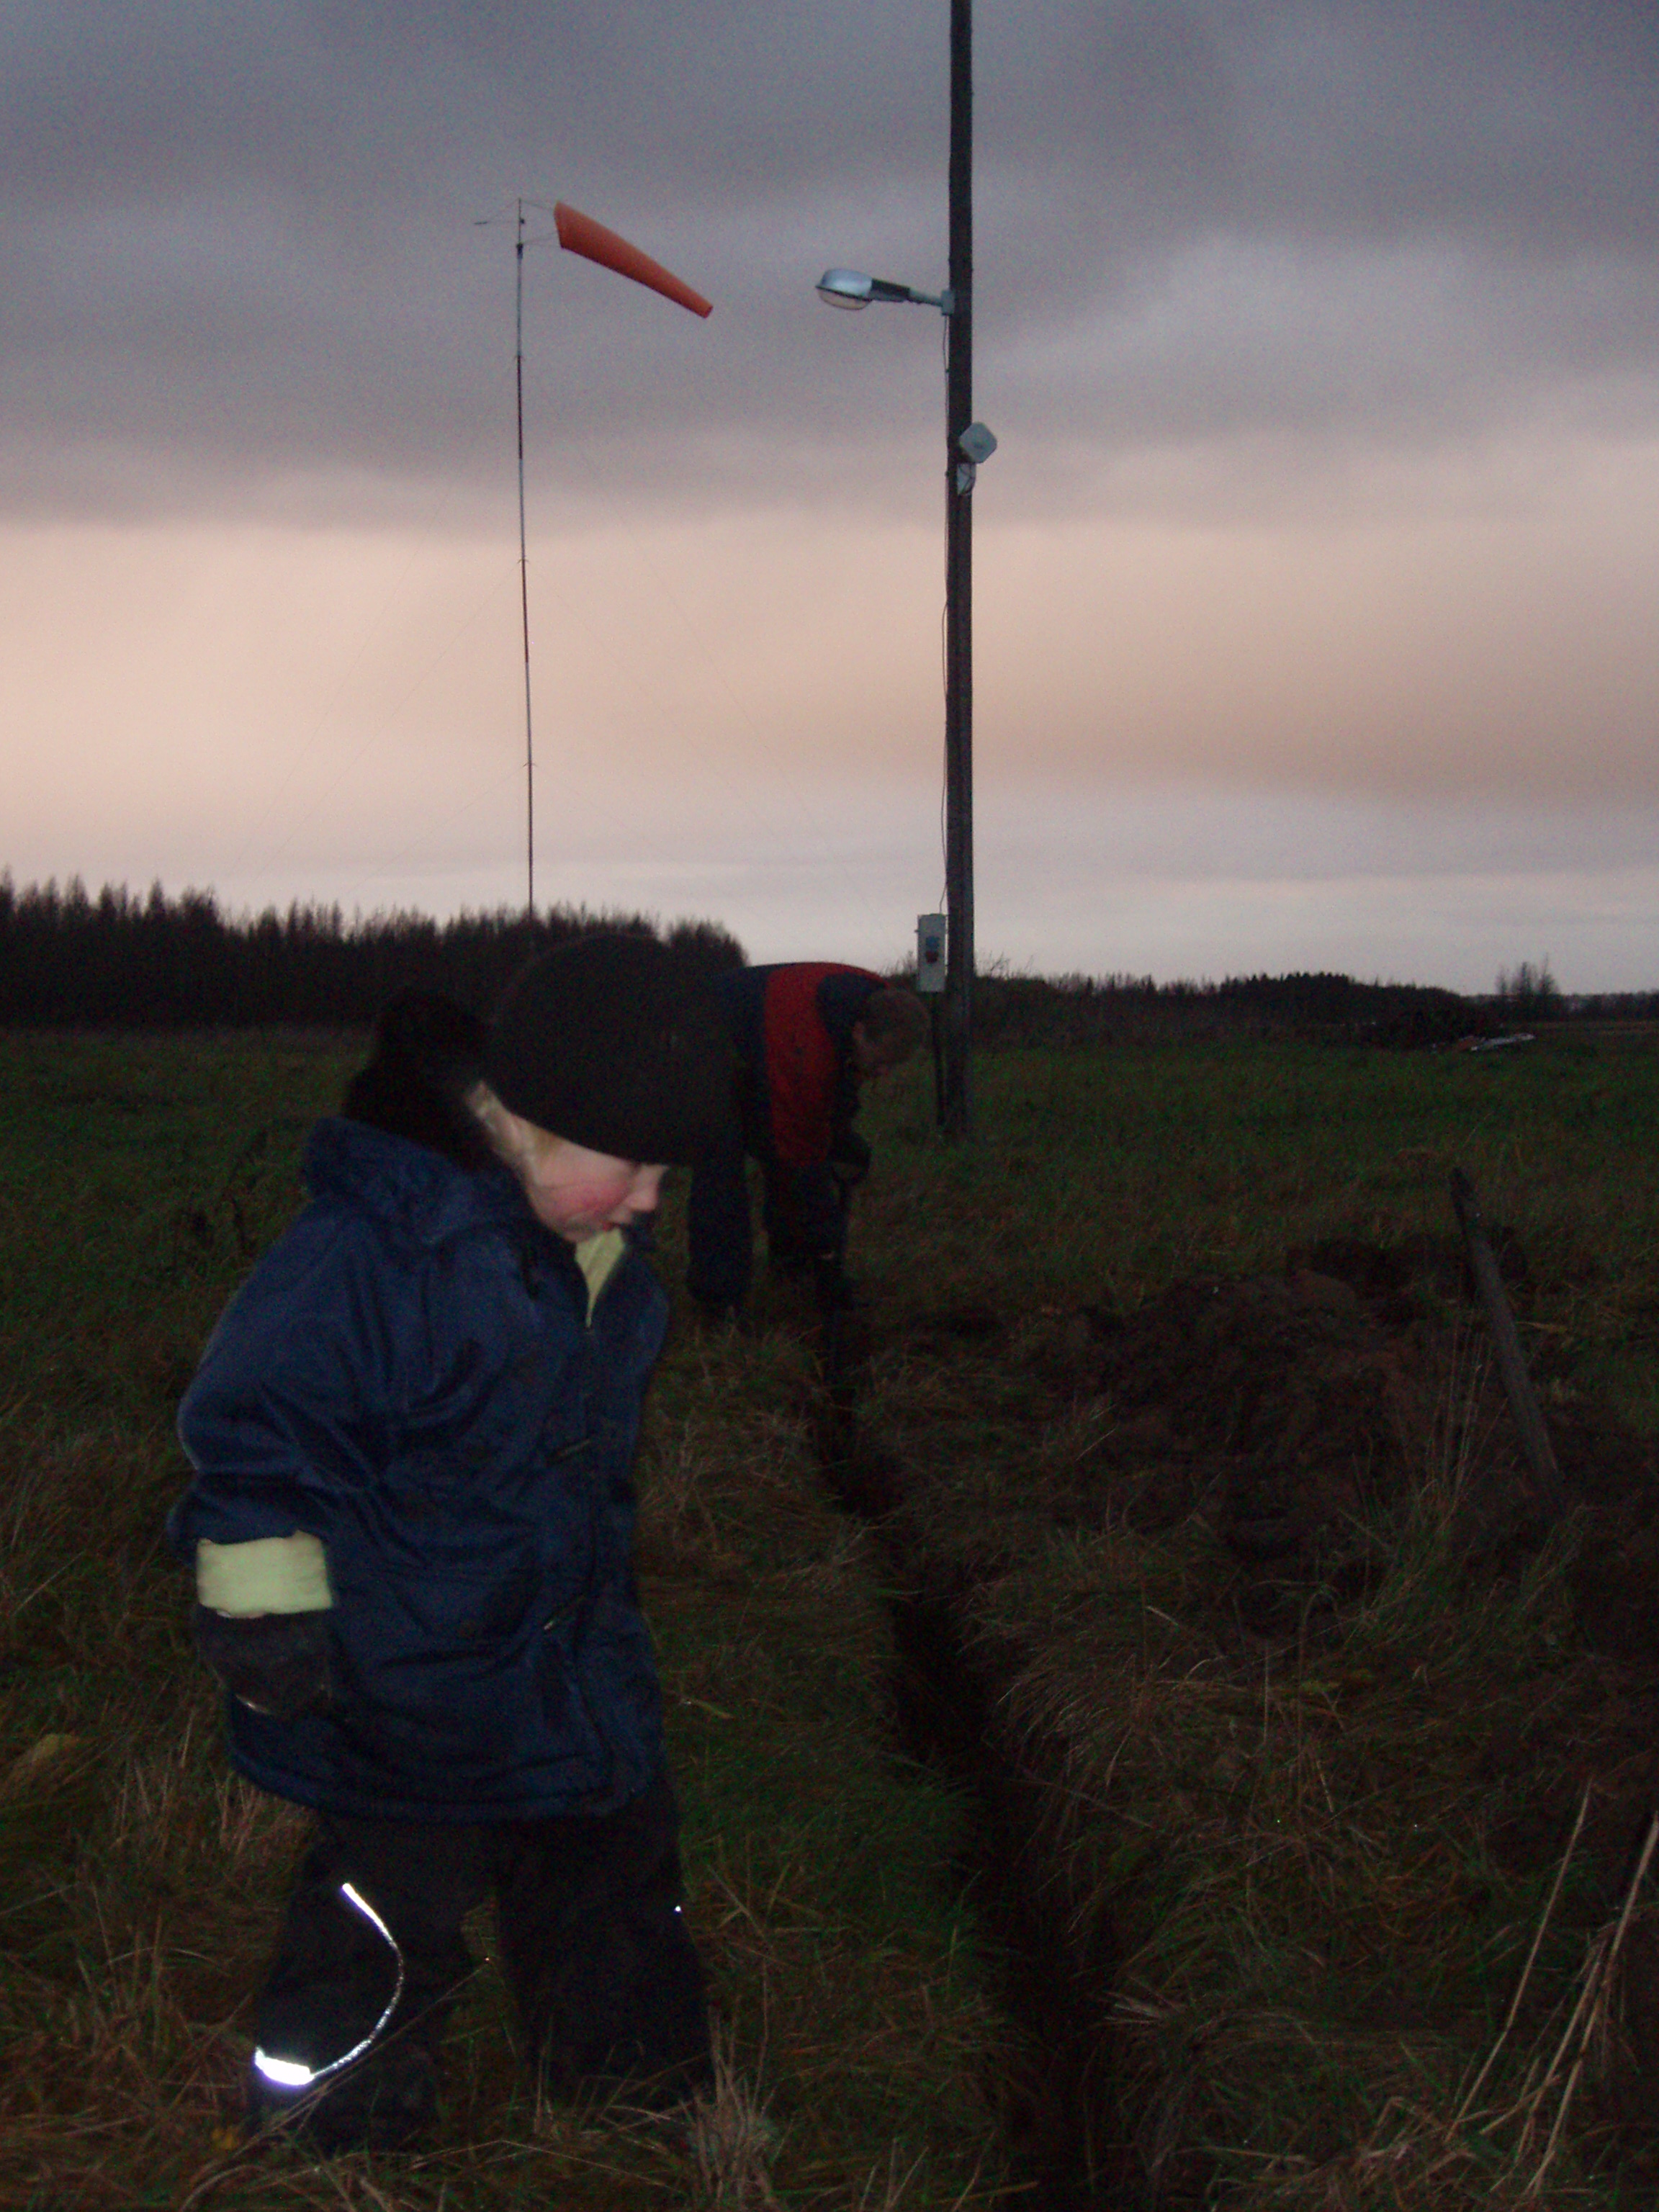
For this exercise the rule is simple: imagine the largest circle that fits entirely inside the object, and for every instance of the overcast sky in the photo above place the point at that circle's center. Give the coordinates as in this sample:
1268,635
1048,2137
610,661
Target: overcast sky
1314,577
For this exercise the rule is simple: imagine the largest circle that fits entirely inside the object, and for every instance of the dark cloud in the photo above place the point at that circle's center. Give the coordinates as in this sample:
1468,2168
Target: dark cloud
241,243
1520,124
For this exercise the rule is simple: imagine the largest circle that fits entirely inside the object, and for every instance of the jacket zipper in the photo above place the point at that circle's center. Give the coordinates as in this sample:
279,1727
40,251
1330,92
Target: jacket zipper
580,1611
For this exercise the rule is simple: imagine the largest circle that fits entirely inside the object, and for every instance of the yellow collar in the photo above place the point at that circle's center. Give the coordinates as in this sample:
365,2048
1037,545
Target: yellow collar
597,1257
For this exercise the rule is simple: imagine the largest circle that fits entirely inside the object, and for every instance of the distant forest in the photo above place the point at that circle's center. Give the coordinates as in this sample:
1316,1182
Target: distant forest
69,960
122,960
1010,1009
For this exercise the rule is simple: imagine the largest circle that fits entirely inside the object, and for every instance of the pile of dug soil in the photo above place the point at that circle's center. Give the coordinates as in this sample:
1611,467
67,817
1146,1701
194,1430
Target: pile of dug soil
1291,1411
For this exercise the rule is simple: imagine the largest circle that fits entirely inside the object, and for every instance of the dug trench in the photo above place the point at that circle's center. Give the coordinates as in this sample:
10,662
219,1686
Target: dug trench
1272,1701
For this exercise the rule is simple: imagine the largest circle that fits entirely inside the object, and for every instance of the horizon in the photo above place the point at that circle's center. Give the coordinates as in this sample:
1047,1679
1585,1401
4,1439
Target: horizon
1526,980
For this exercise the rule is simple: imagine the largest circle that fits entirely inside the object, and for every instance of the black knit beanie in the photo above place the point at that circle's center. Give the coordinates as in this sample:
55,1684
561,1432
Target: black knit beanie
617,1043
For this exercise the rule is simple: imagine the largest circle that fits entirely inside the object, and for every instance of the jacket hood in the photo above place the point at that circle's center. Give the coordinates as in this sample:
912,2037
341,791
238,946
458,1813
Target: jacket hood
427,1054
428,1197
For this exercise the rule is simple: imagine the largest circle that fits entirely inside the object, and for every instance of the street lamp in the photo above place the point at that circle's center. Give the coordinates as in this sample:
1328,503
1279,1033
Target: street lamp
851,288
966,443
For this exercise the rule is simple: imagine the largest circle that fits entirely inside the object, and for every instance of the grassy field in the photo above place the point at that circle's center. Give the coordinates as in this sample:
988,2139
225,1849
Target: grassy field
1311,1815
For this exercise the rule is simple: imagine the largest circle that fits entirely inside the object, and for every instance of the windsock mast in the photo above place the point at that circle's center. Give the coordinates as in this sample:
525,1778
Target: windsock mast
578,233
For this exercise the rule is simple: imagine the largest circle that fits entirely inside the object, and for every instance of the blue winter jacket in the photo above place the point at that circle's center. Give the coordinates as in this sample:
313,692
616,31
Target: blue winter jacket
413,1376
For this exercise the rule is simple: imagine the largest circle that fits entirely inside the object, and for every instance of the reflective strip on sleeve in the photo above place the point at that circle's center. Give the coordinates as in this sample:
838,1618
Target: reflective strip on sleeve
270,1574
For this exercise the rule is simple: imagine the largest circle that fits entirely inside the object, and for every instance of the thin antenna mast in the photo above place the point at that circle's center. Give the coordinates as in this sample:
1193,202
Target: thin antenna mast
524,582
577,233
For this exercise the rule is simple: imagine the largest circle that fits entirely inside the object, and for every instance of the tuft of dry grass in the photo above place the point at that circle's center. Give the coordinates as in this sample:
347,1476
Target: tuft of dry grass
733,2143
1290,1844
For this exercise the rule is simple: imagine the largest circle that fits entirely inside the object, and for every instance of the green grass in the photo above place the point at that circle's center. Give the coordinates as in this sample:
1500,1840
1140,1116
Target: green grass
1325,1856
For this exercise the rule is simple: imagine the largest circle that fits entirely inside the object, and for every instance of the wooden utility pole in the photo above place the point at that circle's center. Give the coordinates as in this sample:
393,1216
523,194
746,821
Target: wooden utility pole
957,1113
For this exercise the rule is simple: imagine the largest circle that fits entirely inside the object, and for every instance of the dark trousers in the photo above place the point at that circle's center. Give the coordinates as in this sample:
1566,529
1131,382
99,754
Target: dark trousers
717,1226
720,1236
608,1987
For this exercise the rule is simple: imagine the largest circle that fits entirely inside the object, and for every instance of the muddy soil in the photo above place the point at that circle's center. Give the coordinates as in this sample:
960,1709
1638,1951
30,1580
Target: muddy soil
1294,1410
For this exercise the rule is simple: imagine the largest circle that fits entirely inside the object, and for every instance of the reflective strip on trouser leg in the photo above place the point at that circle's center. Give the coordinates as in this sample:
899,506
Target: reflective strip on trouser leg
290,2073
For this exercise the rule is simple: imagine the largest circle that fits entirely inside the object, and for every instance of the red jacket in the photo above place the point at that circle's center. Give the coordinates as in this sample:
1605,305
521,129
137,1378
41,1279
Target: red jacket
793,1026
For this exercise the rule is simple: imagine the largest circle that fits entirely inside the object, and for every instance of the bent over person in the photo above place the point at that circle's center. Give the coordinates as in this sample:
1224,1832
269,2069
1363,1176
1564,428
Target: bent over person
806,1035
411,1525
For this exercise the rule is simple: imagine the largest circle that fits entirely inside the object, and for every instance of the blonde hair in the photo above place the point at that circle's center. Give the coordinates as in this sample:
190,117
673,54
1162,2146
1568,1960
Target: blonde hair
520,1144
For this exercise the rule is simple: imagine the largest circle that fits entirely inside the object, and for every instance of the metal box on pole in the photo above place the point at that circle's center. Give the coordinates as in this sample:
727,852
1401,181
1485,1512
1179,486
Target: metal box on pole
933,974
931,942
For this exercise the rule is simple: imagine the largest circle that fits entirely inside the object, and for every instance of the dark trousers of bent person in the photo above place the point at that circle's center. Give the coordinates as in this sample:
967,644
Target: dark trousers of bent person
721,1238
608,1987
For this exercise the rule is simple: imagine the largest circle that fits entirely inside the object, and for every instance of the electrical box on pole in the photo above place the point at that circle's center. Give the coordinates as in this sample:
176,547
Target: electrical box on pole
933,976
931,942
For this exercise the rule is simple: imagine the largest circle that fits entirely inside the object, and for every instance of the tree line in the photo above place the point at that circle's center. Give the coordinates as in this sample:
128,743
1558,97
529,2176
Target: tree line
1011,1009
70,959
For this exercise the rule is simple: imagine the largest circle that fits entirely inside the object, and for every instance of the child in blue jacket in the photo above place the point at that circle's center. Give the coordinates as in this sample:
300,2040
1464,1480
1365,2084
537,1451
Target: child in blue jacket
411,1525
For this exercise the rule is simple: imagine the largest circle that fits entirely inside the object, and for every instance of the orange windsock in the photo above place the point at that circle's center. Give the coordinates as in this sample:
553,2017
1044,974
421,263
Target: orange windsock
580,233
